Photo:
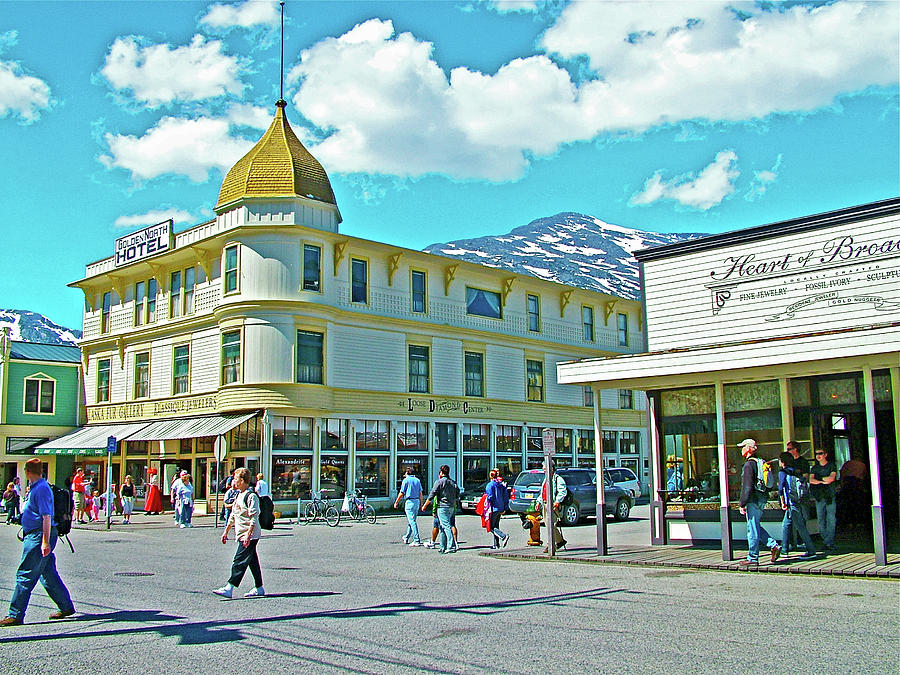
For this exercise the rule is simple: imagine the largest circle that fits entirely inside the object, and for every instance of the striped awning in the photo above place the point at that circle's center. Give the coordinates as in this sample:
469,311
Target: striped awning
191,427
89,440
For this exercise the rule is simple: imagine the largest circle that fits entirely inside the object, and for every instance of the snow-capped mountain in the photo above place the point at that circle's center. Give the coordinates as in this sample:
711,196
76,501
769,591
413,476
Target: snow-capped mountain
569,248
28,326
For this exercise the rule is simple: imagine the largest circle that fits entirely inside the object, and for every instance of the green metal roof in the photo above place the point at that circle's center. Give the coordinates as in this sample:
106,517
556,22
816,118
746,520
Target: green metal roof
34,351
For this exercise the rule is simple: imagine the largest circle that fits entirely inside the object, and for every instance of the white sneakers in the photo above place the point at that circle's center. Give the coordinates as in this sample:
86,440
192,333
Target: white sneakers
225,591
414,544
428,544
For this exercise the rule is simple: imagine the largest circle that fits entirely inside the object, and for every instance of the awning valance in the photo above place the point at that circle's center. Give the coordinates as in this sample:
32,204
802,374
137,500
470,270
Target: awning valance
191,427
89,440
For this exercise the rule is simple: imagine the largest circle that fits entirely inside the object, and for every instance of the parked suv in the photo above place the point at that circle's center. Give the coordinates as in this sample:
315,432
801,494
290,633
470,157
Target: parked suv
625,479
582,499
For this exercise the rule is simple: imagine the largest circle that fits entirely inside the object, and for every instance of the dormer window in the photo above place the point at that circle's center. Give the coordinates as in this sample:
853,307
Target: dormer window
40,395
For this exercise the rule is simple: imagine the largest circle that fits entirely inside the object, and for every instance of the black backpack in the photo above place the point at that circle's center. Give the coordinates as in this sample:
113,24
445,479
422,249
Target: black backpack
62,510
266,510
266,513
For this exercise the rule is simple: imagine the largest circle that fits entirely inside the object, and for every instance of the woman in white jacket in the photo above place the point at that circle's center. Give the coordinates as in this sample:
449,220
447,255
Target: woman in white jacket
245,519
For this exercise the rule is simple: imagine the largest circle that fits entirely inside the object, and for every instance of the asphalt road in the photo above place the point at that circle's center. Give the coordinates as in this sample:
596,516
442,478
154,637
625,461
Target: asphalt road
354,599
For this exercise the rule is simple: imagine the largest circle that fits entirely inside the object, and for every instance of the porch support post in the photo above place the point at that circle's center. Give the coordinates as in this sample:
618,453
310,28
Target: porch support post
787,409
878,529
895,400
658,536
602,544
724,510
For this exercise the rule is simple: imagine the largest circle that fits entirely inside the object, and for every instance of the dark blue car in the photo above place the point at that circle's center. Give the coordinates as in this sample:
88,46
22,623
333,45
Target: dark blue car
582,499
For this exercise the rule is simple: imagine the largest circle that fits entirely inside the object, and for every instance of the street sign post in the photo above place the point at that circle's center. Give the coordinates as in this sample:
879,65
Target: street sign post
219,455
110,451
548,441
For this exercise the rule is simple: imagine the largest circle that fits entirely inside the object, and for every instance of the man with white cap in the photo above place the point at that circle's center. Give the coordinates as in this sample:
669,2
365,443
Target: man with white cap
753,502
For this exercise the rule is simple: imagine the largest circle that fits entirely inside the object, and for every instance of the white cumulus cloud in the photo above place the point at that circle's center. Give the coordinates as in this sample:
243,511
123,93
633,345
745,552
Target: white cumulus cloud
244,114
187,147
762,180
157,74
701,191
243,15
382,104
505,6
154,217
21,95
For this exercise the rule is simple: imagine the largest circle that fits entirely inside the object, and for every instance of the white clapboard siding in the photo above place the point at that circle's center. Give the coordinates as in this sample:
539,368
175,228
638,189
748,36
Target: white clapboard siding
447,367
269,351
504,372
205,360
679,289
560,394
161,358
362,358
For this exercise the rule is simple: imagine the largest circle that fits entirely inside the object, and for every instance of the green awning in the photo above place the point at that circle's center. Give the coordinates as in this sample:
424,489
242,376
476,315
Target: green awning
89,440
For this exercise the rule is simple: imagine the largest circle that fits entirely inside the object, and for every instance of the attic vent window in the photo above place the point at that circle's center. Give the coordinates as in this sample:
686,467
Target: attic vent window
480,302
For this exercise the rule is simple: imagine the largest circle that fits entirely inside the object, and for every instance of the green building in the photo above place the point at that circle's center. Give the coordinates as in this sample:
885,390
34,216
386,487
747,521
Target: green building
40,399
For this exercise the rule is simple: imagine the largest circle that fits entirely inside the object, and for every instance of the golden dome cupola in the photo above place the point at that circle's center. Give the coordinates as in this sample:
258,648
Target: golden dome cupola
276,169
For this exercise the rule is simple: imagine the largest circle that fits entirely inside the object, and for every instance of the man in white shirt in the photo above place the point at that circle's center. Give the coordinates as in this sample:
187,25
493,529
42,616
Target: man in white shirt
173,495
262,487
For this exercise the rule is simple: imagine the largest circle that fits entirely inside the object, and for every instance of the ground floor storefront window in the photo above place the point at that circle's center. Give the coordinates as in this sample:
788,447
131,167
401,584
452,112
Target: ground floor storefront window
372,475
291,476
475,470
333,475
419,465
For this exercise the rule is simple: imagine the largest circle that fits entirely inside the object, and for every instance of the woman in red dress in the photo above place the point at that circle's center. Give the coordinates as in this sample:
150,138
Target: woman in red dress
153,504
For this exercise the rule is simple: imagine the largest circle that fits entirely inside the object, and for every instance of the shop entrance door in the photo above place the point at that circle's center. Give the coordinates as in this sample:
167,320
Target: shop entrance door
438,463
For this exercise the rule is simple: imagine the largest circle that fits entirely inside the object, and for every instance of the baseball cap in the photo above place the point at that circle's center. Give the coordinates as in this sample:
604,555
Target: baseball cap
746,443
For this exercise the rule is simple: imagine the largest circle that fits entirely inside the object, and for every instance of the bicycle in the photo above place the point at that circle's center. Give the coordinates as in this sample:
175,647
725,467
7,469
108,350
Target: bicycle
320,508
359,509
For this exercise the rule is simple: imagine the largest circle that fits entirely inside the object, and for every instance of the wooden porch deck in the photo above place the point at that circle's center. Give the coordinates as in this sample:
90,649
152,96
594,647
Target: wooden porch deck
835,565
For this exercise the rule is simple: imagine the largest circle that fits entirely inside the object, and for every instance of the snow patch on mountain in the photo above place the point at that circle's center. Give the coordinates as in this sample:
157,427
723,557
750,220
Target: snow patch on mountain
26,326
569,248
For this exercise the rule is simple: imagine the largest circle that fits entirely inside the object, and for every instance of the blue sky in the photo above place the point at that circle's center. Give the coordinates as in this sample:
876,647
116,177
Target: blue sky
437,120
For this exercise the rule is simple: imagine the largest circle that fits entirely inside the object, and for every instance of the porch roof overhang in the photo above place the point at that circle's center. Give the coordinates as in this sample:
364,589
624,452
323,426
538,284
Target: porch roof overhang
847,350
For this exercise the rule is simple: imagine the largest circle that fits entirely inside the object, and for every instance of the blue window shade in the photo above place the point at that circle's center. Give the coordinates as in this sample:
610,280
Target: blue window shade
483,303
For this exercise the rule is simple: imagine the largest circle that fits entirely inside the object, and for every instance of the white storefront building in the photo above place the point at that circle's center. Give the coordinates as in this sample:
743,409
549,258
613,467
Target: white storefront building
778,332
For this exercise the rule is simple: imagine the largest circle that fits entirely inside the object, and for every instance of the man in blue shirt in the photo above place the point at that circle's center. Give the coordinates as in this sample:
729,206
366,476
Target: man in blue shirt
38,561
498,497
411,488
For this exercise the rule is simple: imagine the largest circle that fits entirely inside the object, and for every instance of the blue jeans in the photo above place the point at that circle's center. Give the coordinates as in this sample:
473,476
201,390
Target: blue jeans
448,543
186,513
36,567
412,528
826,515
755,531
794,519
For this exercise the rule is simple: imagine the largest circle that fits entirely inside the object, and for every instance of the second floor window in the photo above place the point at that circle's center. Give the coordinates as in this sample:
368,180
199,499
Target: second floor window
626,399
231,269
474,364
142,375
309,356
175,295
102,380
587,321
534,313
190,279
418,369
588,397
104,312
623,330
483,303
181,369
534,371
359,280
140,300
231,356
417,282
39,395
312,268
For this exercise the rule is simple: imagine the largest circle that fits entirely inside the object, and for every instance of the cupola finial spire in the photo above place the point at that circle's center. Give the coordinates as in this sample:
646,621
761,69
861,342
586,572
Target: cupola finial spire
281,93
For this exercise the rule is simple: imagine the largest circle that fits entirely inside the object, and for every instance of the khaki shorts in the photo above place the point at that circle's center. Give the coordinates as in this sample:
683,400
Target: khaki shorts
79,500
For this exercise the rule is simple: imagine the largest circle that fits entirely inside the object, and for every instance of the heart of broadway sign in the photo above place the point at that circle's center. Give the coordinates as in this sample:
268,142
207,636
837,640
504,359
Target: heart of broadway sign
143,244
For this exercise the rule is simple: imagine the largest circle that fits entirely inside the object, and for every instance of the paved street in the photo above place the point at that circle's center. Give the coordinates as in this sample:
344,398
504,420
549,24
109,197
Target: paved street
355,599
